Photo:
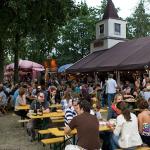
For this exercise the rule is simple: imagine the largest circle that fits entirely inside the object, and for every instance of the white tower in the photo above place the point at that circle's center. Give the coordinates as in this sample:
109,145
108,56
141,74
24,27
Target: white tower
110,30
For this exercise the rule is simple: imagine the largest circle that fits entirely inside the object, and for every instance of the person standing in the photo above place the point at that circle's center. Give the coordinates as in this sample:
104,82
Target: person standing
111,86
87,127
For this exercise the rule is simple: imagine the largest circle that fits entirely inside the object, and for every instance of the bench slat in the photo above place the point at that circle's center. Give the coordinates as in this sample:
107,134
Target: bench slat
24,120
52,140
44,131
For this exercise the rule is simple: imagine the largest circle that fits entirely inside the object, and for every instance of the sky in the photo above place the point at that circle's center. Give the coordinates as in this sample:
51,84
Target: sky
127,7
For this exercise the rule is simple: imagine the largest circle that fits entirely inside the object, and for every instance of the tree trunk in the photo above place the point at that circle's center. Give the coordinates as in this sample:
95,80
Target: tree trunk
1,62
16,52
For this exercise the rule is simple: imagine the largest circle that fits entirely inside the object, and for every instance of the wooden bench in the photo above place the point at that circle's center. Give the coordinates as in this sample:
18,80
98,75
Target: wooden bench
23,121
143,148
139,148
53,141
42,132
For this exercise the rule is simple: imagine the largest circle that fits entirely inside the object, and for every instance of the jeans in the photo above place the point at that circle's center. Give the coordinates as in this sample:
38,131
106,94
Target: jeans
110,98
114,142
103,102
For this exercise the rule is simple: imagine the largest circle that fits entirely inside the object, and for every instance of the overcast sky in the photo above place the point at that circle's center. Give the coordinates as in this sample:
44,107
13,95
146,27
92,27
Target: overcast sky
127,7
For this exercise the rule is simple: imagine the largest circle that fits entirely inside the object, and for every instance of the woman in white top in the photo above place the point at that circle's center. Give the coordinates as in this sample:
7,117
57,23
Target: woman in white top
21,101
125,134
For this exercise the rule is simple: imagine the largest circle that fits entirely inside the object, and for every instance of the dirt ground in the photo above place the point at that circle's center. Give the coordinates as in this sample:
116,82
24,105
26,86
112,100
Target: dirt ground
14,137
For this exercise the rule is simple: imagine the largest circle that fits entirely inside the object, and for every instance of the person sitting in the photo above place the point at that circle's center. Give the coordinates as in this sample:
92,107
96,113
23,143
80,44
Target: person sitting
71,112
114,111
3,99
54,97
146,93
39,106
144,122
125,134
88,135
66,100
21,101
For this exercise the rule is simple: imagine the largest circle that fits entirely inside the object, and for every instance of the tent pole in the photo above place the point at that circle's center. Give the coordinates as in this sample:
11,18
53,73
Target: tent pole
149,73
118,78
95,77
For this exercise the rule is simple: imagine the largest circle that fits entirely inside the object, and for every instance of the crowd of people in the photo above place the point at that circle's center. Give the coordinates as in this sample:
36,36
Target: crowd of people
81,101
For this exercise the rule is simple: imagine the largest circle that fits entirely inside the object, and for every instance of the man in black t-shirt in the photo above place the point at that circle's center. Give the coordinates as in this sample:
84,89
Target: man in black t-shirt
87,127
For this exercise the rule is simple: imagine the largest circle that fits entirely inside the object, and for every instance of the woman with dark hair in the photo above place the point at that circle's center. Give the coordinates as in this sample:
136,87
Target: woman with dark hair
125,134
144,122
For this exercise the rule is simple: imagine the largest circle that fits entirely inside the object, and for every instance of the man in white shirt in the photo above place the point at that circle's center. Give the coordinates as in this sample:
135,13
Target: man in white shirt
111,86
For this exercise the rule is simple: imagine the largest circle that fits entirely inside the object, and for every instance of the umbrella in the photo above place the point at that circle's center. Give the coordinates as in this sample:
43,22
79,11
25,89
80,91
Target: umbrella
26,64
64,67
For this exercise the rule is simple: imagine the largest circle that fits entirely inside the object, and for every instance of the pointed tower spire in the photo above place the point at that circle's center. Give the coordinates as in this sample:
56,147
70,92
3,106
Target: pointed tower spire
110,11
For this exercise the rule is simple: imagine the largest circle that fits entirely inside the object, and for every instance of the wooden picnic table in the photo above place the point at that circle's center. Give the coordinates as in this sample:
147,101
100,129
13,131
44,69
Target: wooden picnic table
103,110
130,100
55,106
45,115
57,132
25,107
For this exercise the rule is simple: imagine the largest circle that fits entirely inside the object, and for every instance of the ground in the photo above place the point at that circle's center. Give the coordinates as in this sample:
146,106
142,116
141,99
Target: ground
13,136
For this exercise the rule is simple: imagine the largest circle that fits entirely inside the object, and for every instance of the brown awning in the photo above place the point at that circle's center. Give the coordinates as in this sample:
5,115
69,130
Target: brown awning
82,64
133,54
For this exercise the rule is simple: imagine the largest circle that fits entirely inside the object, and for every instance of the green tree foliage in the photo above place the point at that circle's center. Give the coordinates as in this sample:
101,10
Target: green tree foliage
6,17
46,17
138,25
33,23
74,42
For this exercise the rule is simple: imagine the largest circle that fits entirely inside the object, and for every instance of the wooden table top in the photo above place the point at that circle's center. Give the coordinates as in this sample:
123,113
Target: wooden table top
57,132
130,100
25,107
103,110
55,106
46,115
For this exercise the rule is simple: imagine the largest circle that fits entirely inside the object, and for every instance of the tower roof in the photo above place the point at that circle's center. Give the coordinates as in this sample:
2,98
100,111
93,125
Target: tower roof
110,11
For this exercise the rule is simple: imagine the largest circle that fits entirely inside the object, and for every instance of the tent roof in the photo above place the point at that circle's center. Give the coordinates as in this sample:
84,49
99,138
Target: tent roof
133,54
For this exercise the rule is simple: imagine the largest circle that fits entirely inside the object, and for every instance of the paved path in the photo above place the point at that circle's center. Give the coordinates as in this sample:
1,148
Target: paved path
13,136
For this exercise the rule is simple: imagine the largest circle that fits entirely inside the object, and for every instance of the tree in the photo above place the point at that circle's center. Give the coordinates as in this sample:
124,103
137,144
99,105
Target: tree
138,25
38,20
74,42
46,17
6,17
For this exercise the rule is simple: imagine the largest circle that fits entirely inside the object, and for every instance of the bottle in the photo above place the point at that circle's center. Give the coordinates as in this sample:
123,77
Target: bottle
41,110
35,109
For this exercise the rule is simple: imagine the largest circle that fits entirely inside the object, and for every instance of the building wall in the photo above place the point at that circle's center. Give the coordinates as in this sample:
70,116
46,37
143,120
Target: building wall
109,34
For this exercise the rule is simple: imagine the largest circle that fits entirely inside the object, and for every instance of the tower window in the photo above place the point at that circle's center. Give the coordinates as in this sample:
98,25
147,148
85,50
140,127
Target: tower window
117,29
101,27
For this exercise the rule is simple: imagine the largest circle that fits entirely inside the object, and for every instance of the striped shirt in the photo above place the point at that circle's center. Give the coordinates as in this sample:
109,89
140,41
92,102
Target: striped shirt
69,114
